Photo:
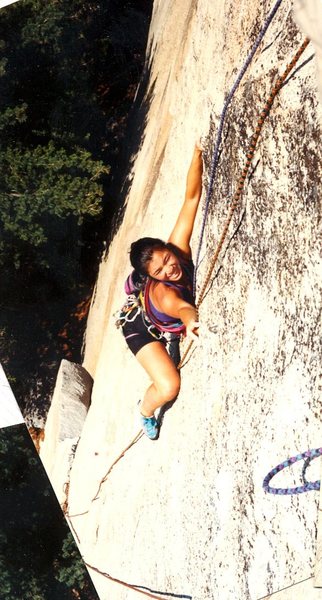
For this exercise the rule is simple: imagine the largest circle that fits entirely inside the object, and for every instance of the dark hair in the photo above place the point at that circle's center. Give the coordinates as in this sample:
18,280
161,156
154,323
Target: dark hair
142,250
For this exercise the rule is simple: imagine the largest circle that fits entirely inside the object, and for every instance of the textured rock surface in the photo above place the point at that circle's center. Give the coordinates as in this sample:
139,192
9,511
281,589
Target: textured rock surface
308,14
186,515
68,412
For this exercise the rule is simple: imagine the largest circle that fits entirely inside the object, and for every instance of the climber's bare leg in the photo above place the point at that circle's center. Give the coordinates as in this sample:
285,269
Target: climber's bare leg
165,377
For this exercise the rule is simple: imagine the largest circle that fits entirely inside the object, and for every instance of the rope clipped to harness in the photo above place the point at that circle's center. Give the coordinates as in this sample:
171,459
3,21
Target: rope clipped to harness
308,486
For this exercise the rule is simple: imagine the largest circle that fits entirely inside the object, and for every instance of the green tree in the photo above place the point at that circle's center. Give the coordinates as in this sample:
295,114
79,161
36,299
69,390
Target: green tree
39,185
39,559
68,567
69,71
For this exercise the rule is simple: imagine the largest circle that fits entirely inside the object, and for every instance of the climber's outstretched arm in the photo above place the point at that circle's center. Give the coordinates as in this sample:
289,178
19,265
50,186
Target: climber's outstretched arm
182,231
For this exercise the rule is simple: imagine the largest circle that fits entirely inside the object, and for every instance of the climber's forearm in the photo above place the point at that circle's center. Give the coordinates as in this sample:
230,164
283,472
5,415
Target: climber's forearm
194,176
189,317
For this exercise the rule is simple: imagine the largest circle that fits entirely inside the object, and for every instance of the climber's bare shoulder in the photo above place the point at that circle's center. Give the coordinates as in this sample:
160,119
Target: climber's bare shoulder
166,299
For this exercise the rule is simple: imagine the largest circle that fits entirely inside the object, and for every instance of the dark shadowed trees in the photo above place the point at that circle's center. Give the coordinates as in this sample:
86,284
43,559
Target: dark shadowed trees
68,75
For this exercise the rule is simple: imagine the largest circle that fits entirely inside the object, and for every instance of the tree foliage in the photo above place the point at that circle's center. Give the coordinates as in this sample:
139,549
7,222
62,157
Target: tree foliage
67,71
38,556
69,570
68,74
41,183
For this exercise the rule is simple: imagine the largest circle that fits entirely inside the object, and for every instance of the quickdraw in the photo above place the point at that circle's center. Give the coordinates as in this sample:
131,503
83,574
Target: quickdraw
125,315
133,307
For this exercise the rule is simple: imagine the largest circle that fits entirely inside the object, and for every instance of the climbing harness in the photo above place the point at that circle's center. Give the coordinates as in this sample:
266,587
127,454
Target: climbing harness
129,311
308,456
134,307
215,159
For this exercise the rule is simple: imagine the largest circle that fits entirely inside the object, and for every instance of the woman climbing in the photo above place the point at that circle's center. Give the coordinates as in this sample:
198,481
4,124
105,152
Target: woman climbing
164,273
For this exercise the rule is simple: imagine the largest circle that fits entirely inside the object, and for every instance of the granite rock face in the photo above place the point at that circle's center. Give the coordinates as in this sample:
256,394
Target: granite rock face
74,386
186,515
69,407
308,15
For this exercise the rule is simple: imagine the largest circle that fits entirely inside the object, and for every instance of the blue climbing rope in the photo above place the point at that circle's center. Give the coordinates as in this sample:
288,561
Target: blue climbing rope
308,485
215,159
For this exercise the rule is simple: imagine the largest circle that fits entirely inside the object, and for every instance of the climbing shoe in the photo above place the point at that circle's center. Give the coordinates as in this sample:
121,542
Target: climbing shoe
150,427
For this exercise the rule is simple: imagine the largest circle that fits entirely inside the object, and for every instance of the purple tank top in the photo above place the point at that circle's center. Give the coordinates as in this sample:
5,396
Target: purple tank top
185,293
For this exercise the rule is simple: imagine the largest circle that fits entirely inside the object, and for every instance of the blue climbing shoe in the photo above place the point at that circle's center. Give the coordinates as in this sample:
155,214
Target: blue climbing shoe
150,427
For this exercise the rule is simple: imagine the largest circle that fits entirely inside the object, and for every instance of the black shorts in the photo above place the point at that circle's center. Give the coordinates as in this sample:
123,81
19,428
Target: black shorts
138,332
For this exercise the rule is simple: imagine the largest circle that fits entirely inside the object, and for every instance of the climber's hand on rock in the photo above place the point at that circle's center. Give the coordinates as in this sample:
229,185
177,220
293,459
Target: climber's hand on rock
193,330
200,143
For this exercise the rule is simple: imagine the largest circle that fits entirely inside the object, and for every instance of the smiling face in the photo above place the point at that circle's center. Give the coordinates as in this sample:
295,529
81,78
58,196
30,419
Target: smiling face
164,266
